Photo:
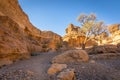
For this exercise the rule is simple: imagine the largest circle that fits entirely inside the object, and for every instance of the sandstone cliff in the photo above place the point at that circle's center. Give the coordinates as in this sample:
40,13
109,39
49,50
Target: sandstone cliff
114,37
18,37
71,32
74,37
113,28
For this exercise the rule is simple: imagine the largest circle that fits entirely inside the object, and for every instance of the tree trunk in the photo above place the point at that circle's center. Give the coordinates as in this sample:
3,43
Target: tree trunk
83,46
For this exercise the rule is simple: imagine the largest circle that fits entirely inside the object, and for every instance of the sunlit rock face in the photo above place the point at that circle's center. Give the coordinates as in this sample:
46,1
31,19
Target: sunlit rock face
72,32
72,29
51,40
13,43
13,10
74,37
102,38
18,37
113,28
114,36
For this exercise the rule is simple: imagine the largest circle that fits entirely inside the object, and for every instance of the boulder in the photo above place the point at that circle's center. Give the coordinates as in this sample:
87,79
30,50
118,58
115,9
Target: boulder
67,74
71,56
55,68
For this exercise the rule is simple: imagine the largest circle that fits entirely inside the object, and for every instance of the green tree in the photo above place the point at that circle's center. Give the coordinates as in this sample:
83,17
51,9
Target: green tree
90,27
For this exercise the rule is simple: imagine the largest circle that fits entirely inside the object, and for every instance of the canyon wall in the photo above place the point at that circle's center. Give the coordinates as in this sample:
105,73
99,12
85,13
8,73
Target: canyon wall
74,37
114,34
18,37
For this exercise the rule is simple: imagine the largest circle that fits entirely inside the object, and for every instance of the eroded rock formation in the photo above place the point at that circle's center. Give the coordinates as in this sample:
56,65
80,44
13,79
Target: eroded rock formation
74,37
114,36
18,37
113,28
71,32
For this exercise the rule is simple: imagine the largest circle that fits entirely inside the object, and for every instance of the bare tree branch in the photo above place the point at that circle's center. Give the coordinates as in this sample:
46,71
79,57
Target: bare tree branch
90,27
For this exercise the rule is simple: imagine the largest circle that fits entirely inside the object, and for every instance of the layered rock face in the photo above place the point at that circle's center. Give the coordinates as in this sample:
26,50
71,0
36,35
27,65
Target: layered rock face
50,41
115,33
101,38
113,28
13,42
18,37
71,32
114,37
74,37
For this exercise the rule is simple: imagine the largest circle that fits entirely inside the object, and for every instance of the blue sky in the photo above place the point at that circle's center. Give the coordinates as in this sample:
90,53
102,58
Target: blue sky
55,15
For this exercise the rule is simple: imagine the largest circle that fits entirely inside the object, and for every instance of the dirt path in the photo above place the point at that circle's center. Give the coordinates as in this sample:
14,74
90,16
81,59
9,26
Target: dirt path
36,68
37,64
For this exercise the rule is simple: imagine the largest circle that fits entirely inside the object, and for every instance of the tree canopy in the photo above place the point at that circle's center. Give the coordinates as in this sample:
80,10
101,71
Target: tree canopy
90,27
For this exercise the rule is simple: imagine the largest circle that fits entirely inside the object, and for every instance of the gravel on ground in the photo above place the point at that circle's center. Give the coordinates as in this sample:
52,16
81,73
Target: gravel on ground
36,68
